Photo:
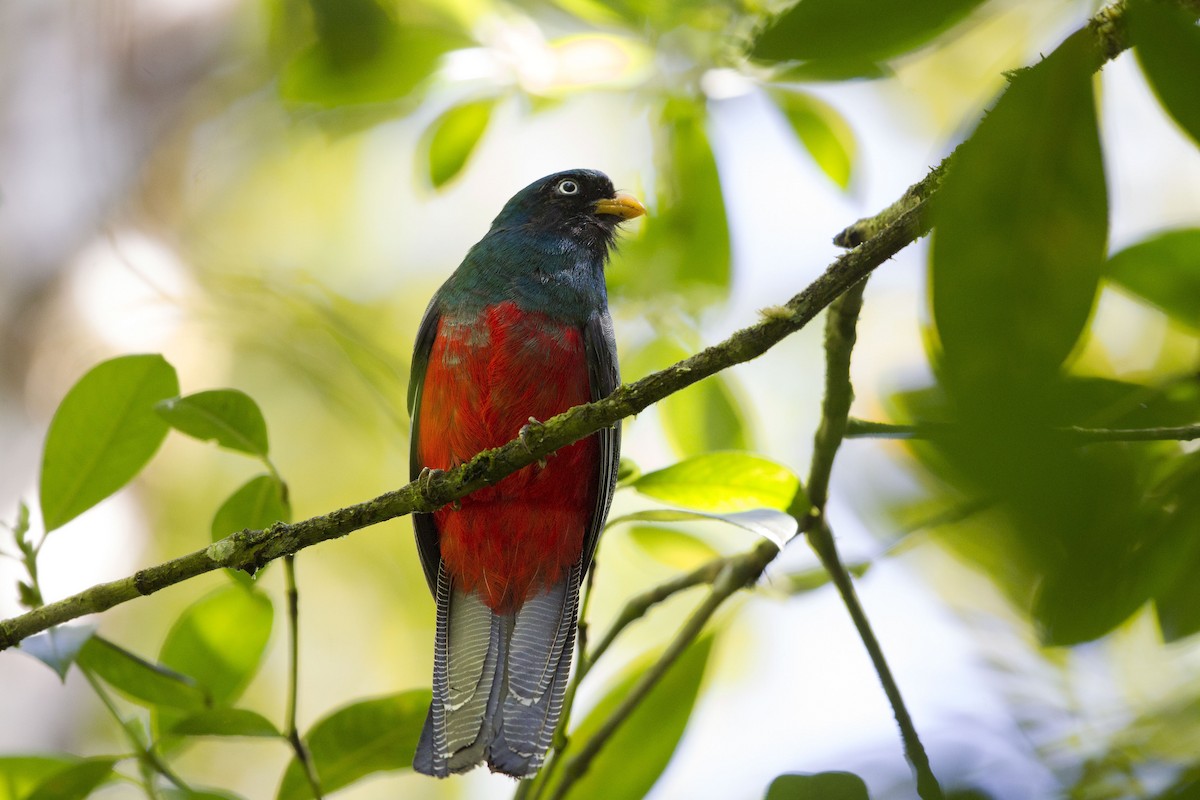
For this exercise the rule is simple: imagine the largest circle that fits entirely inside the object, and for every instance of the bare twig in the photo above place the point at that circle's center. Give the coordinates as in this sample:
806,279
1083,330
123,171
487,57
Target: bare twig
861,428
292,732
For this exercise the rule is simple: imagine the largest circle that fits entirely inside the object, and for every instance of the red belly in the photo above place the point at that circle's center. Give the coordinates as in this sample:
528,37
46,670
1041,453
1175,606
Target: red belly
484,381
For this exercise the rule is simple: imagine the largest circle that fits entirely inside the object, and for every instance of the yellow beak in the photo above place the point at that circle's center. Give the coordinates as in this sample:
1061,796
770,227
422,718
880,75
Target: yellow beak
625,206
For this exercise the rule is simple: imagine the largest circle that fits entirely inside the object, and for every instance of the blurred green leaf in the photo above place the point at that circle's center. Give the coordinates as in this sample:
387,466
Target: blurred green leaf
701,418
818,786
1165,271
452,137
1167,43
823,131
1177,601
20,775
794,583
103,433
230,418
1008,308
722,482
226,722
857,31
58,647
358,740
173,793
627,472
76,781
219,641
684,248
139,680
676,549
363,56
638,753
257,504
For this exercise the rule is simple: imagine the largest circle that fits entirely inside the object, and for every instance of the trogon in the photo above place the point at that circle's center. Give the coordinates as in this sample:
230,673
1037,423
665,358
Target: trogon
519,331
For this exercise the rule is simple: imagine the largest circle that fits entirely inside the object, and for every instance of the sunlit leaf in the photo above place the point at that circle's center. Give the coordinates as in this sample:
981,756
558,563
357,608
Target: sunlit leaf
192,793
818,786
1008,307
139,680
627,471
676,549
773,525
452,138
794,583
1164,270
636,755
58,647
219,641
358,740
226,722
857,31
722,482
20,775
76,781
103,433
230,418
824,132
1168,48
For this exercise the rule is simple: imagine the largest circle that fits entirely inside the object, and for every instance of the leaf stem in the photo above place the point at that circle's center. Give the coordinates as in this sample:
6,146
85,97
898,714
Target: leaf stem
147,758
861,428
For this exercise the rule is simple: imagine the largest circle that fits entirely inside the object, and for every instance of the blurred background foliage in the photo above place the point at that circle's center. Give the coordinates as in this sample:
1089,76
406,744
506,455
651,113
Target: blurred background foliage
268,191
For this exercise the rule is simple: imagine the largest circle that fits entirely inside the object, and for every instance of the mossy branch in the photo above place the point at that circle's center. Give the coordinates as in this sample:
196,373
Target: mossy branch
252,549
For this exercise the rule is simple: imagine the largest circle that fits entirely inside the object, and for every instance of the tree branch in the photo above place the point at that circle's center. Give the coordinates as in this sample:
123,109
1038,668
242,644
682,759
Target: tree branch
861,428
252,549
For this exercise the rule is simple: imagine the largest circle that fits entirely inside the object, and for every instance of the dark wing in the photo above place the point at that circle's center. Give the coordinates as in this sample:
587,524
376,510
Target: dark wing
423,525
603,374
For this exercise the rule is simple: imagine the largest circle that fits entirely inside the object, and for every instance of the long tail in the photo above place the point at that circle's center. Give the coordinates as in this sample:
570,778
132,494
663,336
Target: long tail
498,680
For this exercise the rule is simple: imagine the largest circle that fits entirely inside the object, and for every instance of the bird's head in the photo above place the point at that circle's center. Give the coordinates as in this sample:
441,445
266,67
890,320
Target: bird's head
579,203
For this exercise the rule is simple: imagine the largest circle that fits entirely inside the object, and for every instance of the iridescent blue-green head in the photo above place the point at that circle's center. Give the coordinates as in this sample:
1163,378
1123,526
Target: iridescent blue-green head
579,205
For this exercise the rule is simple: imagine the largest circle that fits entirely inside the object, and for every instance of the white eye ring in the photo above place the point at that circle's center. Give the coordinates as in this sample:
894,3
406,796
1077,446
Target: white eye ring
567,187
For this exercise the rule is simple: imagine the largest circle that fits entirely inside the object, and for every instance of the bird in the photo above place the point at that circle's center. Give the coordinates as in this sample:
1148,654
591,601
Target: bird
518,333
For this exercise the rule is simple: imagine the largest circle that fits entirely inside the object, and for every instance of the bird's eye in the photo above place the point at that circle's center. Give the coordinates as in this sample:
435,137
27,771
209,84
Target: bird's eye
567,187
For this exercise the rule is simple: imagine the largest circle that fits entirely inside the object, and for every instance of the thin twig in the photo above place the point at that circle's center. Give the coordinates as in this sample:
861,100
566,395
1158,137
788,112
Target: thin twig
293,732
147,758
840,337
736,573
861,428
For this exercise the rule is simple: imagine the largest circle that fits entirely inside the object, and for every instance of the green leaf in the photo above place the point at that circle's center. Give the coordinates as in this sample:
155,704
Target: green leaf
795,583
139,680
20,775
58,647
776,526
684,247
722,482
823,131
819,786
1167,43
103,433
857,31
358,740
1008,307
230,418
226,722
627,471
450,140
173,793
1163,270
676,549
219,641
363,57
701,418
638,753
257,504
75,782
